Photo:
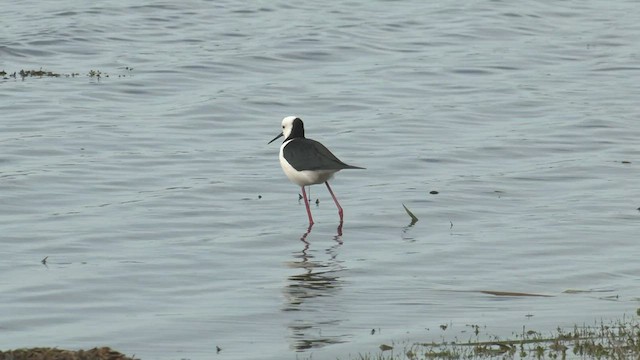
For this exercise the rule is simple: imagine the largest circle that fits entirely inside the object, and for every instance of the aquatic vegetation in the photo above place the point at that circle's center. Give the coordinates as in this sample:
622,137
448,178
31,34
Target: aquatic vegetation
28,73
40,73
98,74
616,340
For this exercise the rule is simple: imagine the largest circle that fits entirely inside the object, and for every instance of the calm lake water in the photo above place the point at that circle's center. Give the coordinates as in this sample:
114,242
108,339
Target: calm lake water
169,229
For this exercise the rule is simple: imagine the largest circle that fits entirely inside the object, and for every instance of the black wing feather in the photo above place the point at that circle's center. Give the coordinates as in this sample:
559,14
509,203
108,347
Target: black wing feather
307,154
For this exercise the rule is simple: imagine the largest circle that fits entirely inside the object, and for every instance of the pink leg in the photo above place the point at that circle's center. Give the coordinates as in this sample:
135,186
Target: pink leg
335,200
306,203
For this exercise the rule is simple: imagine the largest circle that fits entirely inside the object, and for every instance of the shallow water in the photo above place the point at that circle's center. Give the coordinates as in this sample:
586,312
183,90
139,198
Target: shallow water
169,229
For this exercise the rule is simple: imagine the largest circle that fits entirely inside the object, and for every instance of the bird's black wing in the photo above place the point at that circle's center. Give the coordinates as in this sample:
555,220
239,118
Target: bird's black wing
307,154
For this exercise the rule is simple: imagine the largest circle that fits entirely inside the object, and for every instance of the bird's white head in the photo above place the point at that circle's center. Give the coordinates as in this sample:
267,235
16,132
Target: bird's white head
292,127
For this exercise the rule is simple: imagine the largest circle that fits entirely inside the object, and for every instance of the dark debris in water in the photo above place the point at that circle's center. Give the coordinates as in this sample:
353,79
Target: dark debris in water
46,353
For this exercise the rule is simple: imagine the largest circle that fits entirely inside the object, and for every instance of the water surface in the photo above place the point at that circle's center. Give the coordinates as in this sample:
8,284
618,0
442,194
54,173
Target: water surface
169,228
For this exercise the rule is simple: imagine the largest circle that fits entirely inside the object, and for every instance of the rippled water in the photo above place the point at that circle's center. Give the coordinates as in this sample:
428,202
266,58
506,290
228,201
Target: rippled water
169,229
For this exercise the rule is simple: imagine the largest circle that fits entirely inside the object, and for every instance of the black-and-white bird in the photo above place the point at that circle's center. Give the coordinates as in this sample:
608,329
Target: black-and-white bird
306,161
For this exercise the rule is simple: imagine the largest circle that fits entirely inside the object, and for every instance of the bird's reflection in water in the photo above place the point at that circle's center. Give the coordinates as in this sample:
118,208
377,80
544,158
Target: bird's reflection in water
311,295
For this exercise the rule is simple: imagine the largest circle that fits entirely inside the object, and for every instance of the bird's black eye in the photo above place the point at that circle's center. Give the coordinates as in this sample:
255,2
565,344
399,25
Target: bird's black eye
283,126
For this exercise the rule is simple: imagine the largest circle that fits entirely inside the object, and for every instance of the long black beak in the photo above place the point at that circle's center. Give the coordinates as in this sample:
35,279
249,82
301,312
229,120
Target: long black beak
275,138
